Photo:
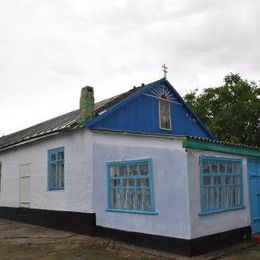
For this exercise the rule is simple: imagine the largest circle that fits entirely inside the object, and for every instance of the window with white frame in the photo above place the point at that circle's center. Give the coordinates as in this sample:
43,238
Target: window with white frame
221,184
164,113
130,186
56,169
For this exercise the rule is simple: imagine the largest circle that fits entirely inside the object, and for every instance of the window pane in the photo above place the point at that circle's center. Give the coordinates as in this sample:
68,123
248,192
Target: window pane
206,198
214,168
143,182
222,167
139,199
206,180
61,175
53,157
114,171
122,171
229,167
113,198
53,176
117,199
146,182
236,168
217,180
237,197
236,180
125,194
144,169
165,114
131,199
115,182
228,180
205,167
61,156
133,170
147,200
128,182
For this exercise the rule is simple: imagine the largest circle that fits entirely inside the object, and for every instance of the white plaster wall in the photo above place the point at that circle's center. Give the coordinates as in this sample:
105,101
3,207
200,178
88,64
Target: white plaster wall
170,184
77,195
203,225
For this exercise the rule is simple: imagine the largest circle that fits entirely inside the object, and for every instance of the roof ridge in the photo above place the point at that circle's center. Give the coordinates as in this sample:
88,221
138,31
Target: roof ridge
29,127
65,121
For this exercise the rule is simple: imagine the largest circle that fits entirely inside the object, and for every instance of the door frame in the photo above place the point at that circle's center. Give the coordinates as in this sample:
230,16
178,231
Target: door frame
24,204
255,160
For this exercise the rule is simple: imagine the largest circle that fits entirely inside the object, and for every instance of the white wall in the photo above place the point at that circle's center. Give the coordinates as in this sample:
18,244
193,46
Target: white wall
202,225
170,184
77,195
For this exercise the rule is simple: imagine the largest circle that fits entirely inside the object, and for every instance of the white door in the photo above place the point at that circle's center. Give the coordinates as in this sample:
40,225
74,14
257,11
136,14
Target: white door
25,187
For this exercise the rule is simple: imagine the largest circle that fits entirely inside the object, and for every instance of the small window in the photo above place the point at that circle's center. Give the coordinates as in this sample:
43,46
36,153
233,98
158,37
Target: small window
130,186
0,176
221,184
165,113
56,169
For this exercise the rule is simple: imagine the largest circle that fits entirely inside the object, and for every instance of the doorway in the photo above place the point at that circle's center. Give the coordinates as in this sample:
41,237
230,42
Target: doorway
25,185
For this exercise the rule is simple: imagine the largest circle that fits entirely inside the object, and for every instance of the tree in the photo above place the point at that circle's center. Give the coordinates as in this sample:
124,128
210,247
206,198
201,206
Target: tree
231,111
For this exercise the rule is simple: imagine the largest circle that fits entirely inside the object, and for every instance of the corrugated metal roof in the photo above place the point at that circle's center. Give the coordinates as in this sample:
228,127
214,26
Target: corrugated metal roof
222,142
181,137
65,122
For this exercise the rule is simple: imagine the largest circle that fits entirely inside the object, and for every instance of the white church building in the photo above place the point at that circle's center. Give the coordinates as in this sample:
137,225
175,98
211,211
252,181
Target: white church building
139,167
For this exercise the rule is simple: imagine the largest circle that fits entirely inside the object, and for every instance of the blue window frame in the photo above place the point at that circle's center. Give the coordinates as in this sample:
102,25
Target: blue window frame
56,169
221,184
130,186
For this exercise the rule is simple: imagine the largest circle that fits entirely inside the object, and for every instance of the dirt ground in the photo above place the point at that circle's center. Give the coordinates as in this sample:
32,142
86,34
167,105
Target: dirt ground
24,241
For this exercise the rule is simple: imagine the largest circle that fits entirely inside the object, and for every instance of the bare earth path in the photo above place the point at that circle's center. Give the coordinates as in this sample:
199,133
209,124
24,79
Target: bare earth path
24,241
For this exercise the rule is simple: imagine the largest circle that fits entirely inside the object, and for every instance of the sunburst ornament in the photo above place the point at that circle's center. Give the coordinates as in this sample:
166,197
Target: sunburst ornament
162,92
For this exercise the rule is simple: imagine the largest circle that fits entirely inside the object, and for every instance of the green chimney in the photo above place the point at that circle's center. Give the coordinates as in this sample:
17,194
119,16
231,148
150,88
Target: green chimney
86,105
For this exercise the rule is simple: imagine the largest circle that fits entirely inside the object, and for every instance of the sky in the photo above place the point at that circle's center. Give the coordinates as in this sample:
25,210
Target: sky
50,49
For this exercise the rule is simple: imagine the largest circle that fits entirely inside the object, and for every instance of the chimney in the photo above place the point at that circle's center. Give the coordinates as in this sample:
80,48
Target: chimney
86,105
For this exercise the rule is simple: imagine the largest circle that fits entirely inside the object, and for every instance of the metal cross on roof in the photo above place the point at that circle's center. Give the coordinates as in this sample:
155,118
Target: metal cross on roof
165,70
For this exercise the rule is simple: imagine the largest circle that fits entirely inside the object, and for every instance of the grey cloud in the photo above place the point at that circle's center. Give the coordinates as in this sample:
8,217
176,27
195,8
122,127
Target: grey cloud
59,46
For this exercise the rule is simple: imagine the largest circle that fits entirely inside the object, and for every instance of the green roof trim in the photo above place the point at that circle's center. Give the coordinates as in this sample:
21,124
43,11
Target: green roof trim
215,146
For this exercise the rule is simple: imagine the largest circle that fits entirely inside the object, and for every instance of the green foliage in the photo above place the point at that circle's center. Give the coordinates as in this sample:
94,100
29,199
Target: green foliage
231,111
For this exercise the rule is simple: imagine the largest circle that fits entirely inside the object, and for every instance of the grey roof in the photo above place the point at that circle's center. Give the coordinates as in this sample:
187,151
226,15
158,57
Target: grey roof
63,123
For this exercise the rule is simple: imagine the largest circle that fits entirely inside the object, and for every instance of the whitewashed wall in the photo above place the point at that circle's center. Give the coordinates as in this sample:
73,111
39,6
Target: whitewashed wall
77,195
203,225
170,184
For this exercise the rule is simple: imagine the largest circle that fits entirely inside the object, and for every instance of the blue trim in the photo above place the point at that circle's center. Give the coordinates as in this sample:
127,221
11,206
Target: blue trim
133,211
190,110
136,94
225,206
214,158
55,152
253,169
122,103
202,213
128,163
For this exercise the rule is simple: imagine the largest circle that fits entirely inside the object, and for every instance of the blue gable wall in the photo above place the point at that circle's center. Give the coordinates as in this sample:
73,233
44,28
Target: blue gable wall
140,113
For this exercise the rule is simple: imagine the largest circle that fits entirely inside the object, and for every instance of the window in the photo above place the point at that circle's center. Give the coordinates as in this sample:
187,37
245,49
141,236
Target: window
56,169
130,186
0,175
221,184
164,112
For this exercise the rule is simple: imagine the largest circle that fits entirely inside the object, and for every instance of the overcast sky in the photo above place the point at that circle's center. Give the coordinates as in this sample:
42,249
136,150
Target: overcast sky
50,49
